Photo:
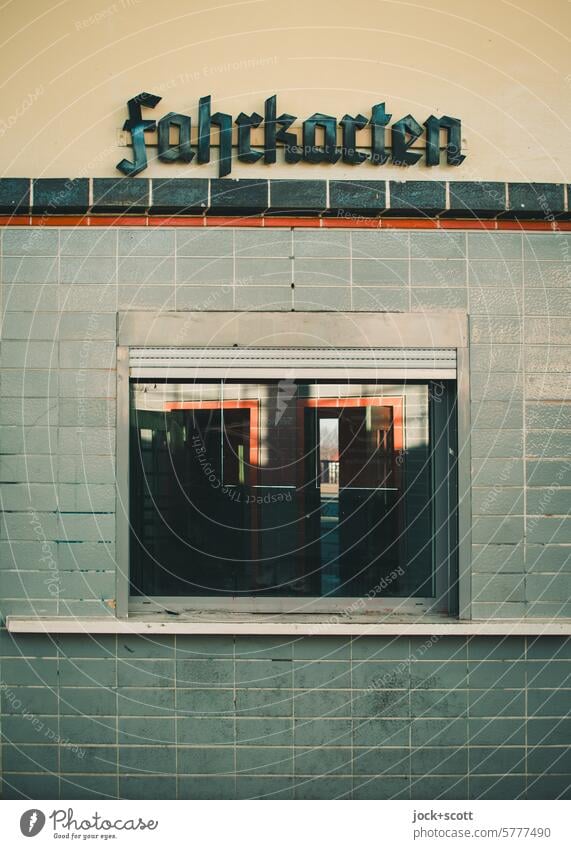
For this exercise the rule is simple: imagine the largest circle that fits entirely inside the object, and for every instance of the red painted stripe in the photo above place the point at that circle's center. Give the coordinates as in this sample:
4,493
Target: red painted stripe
536,225
410,223
364,223
170,221
475,224
232,221
276,221
293,221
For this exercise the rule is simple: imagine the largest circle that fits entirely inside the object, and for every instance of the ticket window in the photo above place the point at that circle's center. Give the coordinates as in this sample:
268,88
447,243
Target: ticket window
286,489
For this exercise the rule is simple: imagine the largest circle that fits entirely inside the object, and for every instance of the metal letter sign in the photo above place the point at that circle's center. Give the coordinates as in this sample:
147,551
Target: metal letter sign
137,127
322,138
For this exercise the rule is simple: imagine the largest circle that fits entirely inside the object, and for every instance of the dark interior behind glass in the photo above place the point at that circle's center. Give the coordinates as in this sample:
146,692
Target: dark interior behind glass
284,488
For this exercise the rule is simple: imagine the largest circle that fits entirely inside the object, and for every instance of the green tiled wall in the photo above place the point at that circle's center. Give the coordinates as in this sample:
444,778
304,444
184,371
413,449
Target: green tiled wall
304,718
311,717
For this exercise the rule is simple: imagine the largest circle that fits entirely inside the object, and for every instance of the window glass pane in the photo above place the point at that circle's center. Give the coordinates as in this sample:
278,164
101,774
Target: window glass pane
282,488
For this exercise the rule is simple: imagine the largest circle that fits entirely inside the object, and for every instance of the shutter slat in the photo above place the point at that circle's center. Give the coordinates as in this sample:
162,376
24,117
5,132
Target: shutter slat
175,359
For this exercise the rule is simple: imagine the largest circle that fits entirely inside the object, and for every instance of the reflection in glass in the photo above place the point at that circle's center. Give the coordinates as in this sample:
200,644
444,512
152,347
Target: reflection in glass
281,488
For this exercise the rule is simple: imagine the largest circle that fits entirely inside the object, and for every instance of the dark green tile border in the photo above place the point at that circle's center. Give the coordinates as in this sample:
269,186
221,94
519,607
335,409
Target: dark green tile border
343,198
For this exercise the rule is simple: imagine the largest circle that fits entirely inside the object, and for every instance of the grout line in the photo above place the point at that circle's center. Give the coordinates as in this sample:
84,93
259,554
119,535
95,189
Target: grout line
58,424
234,698
351,270
468,284
468,735
177,774
526,718
523,424
117,270
351,640
58,696
410,717
409,247
116,644
293,758
175,270
292,261
234,267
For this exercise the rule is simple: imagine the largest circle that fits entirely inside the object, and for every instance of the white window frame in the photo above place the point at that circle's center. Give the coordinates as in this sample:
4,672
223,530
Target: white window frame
231,330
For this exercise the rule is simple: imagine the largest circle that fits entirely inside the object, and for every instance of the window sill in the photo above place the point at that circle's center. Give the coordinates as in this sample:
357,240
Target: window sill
217,622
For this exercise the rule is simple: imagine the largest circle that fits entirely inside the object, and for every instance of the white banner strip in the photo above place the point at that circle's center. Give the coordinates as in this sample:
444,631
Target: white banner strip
263,824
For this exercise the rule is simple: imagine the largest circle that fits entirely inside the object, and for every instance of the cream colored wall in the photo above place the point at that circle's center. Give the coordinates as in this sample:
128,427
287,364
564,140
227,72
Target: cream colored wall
68,69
